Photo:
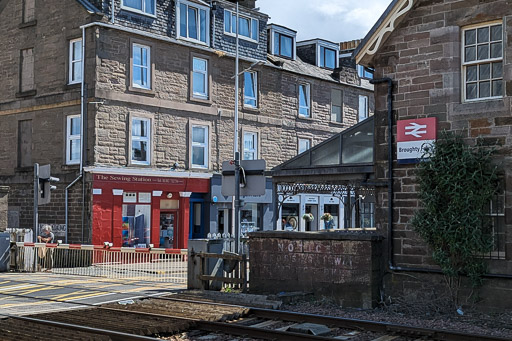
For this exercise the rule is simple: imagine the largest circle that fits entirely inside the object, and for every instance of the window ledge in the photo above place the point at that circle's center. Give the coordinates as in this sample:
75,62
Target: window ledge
147,92
233,35
305,118
70,167
133,11
26,93
194,41
72,86
138,165
24,169
200,100
339,124
251,110
28,24
199,169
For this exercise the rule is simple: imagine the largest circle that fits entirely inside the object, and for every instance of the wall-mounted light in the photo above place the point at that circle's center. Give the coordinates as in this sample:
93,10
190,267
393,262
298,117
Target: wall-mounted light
169,195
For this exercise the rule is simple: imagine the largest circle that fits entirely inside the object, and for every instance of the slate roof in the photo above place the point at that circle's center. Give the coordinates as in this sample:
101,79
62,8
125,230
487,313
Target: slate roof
300,67
89,7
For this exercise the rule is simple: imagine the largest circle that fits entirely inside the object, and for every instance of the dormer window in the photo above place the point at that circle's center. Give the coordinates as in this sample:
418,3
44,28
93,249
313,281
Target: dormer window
249,28
319,52
193,22
140,6
281,41
327,58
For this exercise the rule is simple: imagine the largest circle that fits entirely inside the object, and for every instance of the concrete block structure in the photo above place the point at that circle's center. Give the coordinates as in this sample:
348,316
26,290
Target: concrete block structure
145,90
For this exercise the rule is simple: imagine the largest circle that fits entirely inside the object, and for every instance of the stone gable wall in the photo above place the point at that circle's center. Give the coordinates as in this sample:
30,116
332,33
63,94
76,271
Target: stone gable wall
423,58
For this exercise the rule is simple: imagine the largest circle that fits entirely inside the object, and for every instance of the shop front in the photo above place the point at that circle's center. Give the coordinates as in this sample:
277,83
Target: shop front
139,209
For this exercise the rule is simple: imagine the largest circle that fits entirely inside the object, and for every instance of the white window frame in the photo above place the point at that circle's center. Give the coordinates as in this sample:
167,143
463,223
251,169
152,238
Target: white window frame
255,88
232,33
366,108
254,149
308,99
282,31
302,150
147,67
477,62
73,62
136,138
363,73
69,138
136,10
204,145
205,76
198,21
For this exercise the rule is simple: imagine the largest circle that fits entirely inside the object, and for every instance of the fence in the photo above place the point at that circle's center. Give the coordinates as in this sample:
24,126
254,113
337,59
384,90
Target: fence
160,265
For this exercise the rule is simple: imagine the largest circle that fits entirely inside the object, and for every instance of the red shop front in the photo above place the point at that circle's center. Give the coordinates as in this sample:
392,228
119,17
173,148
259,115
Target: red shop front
134,210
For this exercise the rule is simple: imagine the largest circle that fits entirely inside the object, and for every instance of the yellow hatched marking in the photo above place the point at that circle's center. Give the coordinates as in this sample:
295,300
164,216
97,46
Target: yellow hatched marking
17,287
23,304
37,289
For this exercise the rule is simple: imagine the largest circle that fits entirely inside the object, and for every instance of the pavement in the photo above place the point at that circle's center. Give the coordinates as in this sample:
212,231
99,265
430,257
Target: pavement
33,293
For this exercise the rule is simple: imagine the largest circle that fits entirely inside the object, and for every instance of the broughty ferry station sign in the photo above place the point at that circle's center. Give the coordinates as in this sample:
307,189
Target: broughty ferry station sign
412,138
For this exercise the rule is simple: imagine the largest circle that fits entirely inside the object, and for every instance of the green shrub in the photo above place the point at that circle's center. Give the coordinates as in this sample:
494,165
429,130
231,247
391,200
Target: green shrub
457,184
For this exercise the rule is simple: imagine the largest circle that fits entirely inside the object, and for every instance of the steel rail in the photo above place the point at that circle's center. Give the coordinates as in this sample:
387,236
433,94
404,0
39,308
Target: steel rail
340,322
114,335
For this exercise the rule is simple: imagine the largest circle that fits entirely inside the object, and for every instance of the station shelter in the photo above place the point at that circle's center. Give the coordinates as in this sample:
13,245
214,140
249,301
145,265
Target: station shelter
137,208
333,179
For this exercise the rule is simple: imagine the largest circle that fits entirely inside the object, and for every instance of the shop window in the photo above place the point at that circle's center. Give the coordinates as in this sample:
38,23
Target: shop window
482,65
141,141
250,146
334,211
250,218
290,217
136,228
366,214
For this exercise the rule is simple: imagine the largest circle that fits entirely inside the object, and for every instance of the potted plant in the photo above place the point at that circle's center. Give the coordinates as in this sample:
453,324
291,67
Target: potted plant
328,220
308,217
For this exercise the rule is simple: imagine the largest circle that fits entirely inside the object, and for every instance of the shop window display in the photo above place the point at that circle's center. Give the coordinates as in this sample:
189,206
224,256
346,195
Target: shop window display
136,225
290,214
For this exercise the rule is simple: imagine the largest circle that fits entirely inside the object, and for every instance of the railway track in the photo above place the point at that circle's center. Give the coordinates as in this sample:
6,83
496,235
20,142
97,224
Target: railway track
156,318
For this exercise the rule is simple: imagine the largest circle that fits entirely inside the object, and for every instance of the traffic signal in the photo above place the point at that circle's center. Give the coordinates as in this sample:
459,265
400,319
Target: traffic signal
45,184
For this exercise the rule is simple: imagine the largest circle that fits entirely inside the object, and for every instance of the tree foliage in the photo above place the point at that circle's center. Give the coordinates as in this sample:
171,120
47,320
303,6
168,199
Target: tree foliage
457,184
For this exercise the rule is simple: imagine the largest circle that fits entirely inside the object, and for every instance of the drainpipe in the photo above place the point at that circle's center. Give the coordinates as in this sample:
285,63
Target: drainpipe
82,103
112,9
392,266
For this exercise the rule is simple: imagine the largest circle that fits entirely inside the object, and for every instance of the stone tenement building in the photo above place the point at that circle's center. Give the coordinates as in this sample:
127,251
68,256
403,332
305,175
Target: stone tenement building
152,82
449,60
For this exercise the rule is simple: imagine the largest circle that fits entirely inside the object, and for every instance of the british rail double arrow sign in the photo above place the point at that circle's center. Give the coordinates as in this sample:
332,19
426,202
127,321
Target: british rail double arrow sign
412,138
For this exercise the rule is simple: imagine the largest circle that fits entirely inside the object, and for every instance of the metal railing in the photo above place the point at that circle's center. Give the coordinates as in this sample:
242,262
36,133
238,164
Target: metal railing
160,265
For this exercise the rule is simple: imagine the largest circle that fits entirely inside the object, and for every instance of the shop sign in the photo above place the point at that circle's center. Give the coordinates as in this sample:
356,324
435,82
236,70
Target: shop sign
291,200
331,201
412,138
311,200
135,179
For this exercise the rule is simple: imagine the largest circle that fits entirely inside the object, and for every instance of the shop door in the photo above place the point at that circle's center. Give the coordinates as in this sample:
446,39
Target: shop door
197,219
168,229
312,225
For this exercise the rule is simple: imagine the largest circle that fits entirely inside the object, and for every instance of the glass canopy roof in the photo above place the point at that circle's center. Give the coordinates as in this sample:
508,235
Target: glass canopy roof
351,147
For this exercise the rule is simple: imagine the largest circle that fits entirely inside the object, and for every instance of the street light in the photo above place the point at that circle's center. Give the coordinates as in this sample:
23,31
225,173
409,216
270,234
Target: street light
235,147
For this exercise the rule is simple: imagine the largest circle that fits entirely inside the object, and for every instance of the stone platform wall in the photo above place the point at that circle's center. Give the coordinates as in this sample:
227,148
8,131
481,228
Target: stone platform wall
344,266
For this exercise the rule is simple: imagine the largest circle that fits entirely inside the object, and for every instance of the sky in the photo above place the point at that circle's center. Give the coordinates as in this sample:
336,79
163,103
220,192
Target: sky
334,20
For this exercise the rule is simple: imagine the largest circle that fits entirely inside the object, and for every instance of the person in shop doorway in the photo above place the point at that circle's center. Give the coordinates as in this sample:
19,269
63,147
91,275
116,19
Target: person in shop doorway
45,254
286,225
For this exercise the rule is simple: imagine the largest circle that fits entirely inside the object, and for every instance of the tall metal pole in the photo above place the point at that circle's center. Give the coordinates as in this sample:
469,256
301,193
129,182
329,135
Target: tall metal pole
237,152
36,200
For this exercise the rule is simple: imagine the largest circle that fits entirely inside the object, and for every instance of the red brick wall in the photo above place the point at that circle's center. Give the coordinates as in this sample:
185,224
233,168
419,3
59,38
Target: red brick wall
342,266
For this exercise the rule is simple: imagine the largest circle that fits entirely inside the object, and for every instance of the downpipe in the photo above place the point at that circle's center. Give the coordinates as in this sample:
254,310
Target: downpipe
391,263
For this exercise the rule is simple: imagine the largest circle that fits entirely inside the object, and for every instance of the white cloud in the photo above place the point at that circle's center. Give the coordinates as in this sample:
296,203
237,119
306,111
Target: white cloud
335,20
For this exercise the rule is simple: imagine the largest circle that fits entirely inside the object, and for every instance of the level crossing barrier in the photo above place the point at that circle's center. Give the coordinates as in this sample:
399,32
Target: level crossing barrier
144,264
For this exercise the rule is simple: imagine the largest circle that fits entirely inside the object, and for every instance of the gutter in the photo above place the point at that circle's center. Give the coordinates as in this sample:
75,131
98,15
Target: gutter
391,263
